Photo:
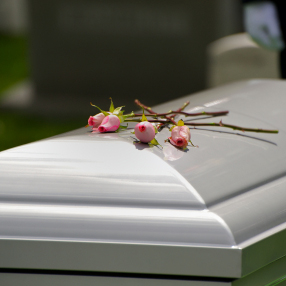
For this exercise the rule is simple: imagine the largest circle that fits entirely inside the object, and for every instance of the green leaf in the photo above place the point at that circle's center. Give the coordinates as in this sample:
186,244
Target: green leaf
180,123
193,144
172,128
121,127
144,118
123,117
129,115
111,108
154,142
117,110
104,112
155,127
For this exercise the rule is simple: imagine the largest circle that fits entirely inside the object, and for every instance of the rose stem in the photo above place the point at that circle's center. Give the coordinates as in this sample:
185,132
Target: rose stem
168,118
171,118
178,111
217,113
164,121
181,108
234,127
149,109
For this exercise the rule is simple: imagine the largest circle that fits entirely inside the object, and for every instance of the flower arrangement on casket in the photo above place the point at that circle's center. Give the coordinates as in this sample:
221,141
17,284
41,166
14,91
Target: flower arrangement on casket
146,129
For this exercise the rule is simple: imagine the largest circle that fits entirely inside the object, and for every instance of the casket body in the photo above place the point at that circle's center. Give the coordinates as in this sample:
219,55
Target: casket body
85,208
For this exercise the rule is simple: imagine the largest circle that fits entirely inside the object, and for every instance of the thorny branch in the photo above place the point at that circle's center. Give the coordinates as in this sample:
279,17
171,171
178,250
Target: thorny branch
165,118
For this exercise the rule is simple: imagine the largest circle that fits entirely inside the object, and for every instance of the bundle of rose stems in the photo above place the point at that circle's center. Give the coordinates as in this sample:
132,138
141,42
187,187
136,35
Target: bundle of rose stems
146,129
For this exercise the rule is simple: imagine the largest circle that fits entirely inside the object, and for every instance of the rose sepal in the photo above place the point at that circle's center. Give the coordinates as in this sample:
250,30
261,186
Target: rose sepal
121,127
154,142
102,111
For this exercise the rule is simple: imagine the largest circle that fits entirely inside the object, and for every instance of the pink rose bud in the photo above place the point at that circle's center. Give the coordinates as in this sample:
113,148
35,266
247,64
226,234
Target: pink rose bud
96,120
180,136
109,123
144,131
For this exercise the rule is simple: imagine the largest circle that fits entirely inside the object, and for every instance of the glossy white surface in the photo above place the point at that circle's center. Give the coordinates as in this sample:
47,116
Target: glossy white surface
98,189
254,212
112,224
80,169
227,164
103,188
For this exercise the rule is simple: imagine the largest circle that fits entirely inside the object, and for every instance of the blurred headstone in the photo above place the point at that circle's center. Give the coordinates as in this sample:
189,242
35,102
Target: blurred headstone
13,17
154,50
237,57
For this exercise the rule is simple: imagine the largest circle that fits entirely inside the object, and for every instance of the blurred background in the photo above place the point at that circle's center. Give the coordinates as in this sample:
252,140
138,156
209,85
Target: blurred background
57,56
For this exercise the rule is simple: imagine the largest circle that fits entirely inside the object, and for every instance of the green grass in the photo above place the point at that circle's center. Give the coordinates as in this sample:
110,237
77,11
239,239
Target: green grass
17,129
13,60
21,128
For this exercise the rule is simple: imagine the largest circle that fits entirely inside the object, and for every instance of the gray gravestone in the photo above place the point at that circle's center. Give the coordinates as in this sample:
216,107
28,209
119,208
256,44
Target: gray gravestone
91,50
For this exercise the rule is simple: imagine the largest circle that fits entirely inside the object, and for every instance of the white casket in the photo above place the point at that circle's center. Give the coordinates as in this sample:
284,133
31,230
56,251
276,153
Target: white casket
96,209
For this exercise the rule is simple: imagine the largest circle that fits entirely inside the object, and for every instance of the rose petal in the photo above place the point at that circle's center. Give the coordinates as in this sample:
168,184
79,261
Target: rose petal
96,120
180,136
185,133
110,123
144,131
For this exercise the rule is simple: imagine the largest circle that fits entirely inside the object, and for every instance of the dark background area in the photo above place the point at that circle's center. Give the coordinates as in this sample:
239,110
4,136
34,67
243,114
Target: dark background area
72,52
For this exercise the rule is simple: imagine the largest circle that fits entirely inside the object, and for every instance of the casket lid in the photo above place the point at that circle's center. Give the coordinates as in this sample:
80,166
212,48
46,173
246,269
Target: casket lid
99,202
